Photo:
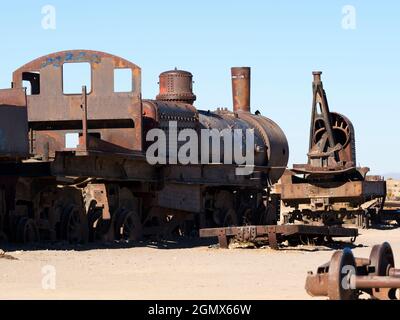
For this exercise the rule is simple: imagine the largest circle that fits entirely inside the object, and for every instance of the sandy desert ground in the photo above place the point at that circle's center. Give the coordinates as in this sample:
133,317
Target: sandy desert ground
170,272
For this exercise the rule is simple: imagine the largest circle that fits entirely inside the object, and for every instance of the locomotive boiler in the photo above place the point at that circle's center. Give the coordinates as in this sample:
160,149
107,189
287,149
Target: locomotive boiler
83,173
175,103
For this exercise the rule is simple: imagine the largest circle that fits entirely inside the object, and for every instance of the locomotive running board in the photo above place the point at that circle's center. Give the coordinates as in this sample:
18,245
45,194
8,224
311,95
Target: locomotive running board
275,234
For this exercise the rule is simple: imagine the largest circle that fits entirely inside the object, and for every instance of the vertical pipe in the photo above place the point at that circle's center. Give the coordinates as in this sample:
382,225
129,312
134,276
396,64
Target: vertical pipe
241,88
84,118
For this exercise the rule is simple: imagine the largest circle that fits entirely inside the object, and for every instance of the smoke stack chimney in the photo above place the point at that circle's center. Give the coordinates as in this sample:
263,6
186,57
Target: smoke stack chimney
241,89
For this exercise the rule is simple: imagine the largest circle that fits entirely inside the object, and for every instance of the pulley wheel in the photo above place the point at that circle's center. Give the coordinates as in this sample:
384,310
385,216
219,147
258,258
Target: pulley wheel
341,268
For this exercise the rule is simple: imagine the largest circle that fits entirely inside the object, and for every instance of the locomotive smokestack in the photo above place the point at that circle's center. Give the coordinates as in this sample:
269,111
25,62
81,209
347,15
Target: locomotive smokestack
241,88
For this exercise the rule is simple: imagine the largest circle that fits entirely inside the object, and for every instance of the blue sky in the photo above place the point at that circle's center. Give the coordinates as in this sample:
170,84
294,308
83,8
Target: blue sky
282,41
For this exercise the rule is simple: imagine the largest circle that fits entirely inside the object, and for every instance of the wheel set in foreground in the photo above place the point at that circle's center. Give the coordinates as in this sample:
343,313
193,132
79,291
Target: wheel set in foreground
347,278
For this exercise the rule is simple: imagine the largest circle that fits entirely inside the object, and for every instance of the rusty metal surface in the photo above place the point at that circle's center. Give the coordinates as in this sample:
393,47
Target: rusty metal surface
114,116
275,144
96,195
214,175
80,185
330,184
13,97
83,141
241,88
13,124
159,114
271,145
226,120
332,136
180,197
108,166
276,233
287,230
356,192
176,86
162,112
332,143
346,277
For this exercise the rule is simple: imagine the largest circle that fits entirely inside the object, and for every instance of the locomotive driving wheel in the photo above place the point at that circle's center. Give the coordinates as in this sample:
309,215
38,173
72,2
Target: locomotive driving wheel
103,229
224,213
27,231
73,224
128,226
230,218
3,237
93,216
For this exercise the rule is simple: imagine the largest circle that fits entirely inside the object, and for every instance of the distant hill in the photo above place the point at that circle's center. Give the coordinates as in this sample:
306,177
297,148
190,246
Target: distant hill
395,176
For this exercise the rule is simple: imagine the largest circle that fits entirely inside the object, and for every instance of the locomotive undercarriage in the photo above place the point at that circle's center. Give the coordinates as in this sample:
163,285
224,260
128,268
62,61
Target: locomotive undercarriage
47,211
136,201
351,203
359,218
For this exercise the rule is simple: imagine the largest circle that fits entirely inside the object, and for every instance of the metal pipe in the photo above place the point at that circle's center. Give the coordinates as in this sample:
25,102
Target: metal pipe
384,282
241,88
394,273
84,145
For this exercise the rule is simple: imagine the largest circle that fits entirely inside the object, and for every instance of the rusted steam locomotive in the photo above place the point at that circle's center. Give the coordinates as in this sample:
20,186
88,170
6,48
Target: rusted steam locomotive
103,187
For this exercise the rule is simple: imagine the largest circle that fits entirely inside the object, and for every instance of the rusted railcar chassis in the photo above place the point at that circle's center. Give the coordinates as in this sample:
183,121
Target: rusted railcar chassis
276,234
